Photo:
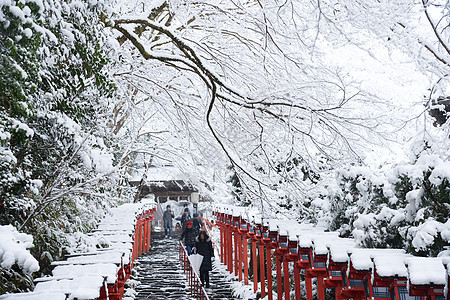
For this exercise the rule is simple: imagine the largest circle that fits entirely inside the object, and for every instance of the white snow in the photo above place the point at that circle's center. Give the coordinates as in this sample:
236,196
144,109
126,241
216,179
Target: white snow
115,227
17,12
426,270
386,262
361,259
445,231
27,32
156,174
425,233
13,249
74,271
104,257
35,185
22,126
84,287
440,172
102,161
83,274
391,265
316,239
35,296
340,249
321,241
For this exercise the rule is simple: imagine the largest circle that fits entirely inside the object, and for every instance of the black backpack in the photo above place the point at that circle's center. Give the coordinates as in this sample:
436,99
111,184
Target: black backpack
196,223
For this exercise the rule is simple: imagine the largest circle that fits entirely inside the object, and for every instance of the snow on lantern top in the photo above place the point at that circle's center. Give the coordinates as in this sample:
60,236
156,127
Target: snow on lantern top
392,265
426,271
339,249
362,258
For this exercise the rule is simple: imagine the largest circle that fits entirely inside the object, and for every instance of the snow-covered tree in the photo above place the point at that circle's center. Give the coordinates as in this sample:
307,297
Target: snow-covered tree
55,100
257,82
288,93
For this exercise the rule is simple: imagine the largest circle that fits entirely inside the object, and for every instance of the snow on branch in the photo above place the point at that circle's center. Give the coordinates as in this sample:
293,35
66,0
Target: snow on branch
241,76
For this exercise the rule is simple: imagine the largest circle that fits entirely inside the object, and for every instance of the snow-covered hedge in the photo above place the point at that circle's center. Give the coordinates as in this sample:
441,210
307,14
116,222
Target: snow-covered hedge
14,250
56,154
406,206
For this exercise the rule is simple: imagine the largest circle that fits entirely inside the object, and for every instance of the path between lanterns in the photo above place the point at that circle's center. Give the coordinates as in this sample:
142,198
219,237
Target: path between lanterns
161,276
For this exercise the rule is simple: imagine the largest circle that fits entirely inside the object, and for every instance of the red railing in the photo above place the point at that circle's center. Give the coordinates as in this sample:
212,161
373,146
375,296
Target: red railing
207,222
197,290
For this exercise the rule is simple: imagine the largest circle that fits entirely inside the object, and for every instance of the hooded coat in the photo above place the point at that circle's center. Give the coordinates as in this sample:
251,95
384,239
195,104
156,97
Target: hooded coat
205,249
189,235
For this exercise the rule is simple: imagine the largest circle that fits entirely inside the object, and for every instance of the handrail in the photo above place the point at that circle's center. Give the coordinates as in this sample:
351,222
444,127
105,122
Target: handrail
208,222
195,284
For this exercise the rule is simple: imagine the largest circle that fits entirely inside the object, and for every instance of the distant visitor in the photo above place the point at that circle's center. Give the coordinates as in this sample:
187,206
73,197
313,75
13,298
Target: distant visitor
184,218
167,219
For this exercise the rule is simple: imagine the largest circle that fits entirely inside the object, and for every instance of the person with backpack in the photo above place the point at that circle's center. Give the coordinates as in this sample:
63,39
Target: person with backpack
203,246
167,220
189,234
184,218
196,222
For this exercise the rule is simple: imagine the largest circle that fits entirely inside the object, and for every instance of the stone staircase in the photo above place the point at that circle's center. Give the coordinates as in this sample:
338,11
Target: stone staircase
220,287
161,276
159,271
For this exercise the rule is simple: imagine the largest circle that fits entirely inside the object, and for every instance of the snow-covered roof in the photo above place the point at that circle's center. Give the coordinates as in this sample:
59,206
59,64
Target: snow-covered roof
426,270
277,225
73,271
296,229
258,220
247,213
113,256
361,259
112,237
339,249
85,287
316,239
159,174
391,265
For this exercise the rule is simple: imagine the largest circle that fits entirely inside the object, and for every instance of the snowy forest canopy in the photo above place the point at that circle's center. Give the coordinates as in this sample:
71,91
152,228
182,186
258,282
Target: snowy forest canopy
319,111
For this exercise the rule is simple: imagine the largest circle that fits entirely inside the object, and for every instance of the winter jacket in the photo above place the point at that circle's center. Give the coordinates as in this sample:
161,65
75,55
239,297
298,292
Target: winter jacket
167,218
196,223
205,249
184,218
189,235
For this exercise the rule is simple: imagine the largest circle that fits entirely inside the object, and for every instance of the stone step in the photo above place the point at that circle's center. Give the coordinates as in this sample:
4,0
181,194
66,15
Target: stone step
161,277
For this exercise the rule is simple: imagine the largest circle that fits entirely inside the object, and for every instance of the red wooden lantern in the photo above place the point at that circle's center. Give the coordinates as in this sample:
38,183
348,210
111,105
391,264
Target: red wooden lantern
228,218
273,238
265,234
243,225
236,220
293,248
427,277
282,243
